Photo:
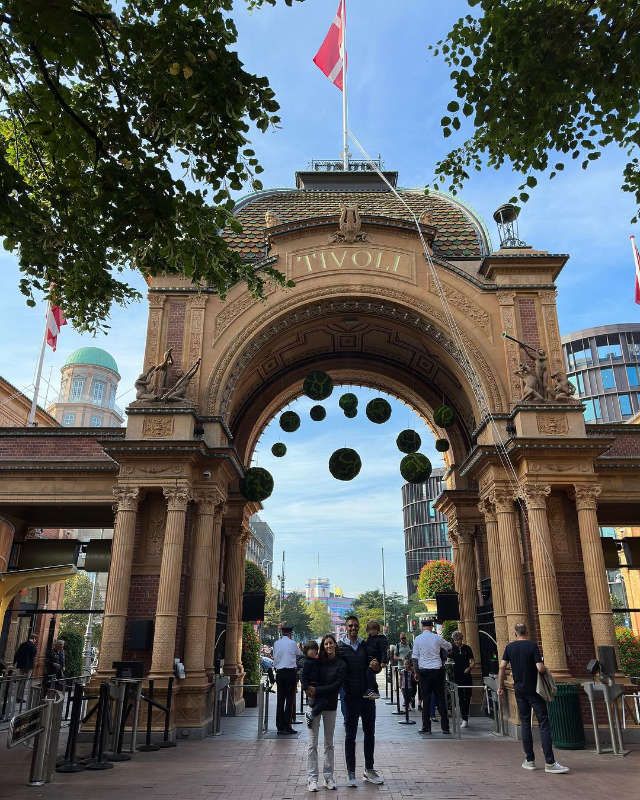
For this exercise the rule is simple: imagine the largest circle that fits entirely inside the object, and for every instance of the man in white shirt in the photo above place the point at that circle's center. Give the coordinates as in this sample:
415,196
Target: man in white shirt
429,671
285,652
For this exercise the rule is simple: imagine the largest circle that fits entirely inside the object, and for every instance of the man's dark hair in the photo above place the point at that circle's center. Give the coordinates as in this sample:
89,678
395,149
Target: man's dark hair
521,629
352,616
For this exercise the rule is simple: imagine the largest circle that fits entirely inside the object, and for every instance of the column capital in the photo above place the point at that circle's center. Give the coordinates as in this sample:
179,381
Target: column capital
466,532
209,500
487,509
534,494
501,497
178,497
586,496
126,498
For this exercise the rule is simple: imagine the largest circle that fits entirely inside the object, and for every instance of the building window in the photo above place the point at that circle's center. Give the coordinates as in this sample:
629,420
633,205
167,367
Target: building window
633,376
68,419
112,401
608,346
608,379
95,421
77,387
625,405
578,381
579,354
633,343
592,409
97,392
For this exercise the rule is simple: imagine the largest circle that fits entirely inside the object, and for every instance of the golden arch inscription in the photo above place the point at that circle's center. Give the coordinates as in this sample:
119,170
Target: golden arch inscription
306,263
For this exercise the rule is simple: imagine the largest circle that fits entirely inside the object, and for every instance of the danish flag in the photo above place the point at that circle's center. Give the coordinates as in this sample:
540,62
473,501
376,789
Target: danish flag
55,321
636,261
330,58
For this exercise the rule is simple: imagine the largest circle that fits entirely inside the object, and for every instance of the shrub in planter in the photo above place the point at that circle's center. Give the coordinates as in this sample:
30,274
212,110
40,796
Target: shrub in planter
415,468
408,441
435,576
345,464
73,646
350,413
257,484
250,661
289,421
317,385
629,647
254,578
378,410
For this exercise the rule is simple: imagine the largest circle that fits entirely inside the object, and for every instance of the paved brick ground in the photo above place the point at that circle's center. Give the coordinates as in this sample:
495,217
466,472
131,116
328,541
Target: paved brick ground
235,766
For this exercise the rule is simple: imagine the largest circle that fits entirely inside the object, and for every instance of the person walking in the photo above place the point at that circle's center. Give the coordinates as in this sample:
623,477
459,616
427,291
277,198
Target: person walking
526,662
403,649
353,651
25,656
429,671
463,663
55,665
329,677
285,652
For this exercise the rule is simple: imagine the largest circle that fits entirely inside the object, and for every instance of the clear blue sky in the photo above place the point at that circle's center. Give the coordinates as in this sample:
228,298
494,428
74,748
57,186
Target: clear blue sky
397,94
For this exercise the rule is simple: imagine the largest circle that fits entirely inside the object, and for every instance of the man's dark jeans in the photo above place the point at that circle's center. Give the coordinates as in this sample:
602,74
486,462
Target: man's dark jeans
432,680
526,702
354,708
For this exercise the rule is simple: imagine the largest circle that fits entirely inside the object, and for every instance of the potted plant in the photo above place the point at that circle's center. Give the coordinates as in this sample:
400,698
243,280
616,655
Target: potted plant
435,576
250,664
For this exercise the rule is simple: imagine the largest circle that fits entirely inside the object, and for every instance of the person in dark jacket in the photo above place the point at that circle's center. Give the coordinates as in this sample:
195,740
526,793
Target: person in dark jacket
377,646
329,677
25,656
54,668
352,649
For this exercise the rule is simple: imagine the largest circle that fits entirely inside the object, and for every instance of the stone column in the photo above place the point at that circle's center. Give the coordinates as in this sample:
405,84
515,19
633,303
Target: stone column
164,639
515,599
468,583
595,574
495,570
202,574
544,573
117,599
236,538
214,589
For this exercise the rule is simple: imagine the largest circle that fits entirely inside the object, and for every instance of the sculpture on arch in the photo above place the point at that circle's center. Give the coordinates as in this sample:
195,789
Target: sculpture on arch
349,225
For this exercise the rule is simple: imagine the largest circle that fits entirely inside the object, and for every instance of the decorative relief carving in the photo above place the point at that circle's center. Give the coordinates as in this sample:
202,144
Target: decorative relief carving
233,310
178,497
271,219
487,509
154,325
477,315
559,535
550,320
559,466
508,320
197,305
152,469
535,494
586,496
552,424
157,427
502,499
156,525
349,225
126,498
209,500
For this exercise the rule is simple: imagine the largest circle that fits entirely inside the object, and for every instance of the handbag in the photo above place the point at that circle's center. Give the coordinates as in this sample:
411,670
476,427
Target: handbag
546,686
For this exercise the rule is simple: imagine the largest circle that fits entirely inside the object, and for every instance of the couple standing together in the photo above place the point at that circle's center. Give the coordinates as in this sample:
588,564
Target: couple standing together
342,665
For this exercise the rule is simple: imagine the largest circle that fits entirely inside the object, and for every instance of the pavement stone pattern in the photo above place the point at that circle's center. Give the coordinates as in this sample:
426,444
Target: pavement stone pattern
237,766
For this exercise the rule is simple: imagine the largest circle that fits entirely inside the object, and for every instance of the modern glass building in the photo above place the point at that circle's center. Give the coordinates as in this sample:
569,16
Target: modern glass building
425,529
603,364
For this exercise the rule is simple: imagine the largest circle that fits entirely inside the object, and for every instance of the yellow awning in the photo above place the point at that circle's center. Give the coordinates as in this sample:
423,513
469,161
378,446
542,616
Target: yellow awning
12,582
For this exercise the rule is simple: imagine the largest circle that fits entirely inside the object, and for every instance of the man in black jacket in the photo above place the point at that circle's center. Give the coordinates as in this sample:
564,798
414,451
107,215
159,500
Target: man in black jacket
25,656
353,651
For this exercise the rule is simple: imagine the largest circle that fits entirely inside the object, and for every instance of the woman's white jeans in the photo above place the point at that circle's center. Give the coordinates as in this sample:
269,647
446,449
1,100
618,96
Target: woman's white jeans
329,724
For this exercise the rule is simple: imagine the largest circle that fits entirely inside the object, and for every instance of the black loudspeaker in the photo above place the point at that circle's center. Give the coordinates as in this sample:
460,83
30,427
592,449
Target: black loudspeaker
610,550
141,634
129,669
447,607
607,659
252,606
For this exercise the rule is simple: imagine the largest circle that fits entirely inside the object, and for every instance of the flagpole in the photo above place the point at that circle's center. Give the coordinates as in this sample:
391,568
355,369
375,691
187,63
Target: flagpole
31,420
345,152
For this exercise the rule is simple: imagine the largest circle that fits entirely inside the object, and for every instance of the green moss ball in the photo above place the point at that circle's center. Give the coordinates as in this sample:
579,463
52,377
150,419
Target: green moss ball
408,441
317,385
378,410
289,421
345,464
348,401
444,416
279,449
257,484
317,413
442,445
350,413
415,468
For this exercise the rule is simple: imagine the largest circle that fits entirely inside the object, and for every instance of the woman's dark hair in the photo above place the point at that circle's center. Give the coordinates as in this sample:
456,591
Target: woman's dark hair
323,653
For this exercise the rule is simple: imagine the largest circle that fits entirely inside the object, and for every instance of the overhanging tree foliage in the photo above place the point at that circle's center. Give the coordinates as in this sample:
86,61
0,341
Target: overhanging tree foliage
543,81
123,130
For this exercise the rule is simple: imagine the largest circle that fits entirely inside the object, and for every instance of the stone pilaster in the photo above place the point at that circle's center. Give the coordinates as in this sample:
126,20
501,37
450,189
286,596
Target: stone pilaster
202,575
117,598
236,539
595,574
547,594
495,570
214,590
515,599
164,640
465,534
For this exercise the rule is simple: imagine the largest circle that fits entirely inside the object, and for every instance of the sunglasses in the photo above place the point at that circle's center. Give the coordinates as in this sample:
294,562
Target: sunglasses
353,625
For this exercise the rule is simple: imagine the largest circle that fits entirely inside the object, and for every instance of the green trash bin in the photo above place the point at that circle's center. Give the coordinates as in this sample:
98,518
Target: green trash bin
565,717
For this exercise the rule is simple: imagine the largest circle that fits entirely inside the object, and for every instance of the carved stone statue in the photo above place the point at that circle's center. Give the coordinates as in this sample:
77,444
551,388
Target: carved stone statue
563,390
532,389
271,219
426,218
152,383
349,225
179,388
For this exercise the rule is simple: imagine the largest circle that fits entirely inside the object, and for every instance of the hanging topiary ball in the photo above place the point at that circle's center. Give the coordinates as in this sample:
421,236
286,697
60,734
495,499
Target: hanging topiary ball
442,445
378,410
257,484
350,413
348,401
317,413
415,468
317,385
345,464
408,441
289,421
279,449
444,416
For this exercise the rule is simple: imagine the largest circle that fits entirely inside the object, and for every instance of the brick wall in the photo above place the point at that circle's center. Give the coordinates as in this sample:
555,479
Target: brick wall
143,596
528,321
176,312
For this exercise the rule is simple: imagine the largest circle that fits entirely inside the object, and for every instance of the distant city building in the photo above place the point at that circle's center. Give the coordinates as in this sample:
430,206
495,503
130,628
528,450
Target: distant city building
425,529
603,364
337,604
88,391
260,545
317,589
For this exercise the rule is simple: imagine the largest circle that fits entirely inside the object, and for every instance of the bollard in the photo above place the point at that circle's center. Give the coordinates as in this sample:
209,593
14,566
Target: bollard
98,760
148,747
398,710
391,701
69,763
167,714
120,696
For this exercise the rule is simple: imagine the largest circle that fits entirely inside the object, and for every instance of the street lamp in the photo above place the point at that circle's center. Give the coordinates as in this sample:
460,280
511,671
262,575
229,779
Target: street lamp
263,562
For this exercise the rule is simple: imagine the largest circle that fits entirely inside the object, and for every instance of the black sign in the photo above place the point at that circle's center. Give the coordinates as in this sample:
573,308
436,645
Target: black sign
25,726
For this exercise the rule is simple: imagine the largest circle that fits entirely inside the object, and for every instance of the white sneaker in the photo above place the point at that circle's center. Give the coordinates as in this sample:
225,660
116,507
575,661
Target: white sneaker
351,779
312,785
528,764
555,767
464,724
329,783
372,776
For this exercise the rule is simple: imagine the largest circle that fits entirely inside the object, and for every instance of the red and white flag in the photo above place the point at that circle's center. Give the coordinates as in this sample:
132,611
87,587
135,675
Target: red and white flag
330,58
55,321
636,261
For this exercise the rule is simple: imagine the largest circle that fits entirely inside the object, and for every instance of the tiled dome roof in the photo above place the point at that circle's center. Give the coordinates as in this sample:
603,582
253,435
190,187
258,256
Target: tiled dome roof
94,356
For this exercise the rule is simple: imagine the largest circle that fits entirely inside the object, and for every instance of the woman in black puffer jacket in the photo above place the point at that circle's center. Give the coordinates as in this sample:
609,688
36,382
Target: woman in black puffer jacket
331,674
